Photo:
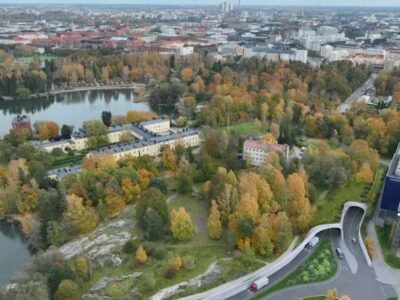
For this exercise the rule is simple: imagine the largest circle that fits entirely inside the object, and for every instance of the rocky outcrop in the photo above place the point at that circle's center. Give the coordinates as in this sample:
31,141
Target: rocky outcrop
99,245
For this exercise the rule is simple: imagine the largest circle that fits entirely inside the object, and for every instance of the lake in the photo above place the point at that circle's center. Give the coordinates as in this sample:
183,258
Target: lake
14,252
72,108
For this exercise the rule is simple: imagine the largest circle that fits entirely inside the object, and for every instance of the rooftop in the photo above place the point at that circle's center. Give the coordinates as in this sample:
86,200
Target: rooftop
394,168
263,145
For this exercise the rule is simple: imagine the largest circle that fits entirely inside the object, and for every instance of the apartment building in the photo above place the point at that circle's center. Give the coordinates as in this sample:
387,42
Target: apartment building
255,151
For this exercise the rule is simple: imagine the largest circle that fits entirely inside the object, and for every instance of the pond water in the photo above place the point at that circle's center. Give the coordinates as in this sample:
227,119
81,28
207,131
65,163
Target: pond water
14,252
72,108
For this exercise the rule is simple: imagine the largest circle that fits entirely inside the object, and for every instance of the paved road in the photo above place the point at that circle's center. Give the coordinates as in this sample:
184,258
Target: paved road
350,101
359,285
282,273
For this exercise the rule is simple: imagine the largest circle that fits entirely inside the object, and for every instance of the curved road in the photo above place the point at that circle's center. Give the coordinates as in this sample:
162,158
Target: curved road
354,278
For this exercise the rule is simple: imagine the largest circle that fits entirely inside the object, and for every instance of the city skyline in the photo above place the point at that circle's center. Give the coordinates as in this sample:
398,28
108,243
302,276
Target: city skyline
338,3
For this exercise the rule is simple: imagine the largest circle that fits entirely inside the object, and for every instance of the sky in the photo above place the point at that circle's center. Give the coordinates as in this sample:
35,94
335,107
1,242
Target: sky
214,2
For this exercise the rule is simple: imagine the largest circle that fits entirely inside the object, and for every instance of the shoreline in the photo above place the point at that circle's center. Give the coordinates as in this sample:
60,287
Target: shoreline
129,86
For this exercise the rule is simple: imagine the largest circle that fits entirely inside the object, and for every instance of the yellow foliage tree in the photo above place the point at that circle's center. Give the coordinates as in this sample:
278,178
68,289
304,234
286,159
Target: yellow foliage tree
299,206
81,266
115,205
141,255
187,74
214,224
182,226
365,174
331,294
248,207
270,138
131,191
370,244
136,116
82,219
177,262
168,158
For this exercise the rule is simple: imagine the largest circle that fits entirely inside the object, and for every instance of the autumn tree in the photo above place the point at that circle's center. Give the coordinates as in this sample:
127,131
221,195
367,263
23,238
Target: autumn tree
258,188
182,226
365,174
115,204
81,219
331,294
81,266
187,74
261,241
278,186
214,224
168,158
130,190
47,130
141,255
299,206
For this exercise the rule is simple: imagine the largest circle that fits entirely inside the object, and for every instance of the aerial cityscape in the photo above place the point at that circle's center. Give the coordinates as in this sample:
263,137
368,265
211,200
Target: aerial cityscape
199,150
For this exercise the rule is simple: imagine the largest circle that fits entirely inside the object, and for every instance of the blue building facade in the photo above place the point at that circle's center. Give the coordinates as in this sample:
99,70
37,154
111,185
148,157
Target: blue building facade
390,196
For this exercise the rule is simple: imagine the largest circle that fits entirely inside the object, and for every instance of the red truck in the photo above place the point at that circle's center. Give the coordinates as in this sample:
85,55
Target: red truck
259,284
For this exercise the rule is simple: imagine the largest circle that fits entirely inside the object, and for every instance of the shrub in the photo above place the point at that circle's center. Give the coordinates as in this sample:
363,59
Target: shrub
159,253
170,271
130,246
56,152
147,282
114,291
369,243
149,247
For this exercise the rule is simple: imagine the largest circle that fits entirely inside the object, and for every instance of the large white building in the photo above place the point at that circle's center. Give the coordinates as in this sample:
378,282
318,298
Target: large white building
255,151
79,139
150,137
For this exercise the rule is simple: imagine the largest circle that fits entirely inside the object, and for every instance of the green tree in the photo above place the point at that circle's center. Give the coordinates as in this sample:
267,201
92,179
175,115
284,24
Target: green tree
68,290
106,117
66,132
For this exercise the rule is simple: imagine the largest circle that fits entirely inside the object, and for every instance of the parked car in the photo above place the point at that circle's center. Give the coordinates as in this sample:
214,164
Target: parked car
339,253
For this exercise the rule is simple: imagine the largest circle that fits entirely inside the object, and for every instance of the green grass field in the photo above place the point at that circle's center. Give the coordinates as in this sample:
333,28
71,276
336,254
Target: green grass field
330,203
64,160
320,266
384,241
245,129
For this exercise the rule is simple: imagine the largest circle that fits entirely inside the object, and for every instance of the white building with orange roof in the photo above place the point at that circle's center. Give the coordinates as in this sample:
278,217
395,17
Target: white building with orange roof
255,151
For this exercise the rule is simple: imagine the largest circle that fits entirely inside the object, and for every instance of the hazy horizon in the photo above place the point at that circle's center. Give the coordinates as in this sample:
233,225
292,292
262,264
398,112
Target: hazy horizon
338,3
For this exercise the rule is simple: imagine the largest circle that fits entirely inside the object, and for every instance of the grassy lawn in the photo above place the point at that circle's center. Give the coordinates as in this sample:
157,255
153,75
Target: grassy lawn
320,266
244,129
64,159
384,241
330,204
